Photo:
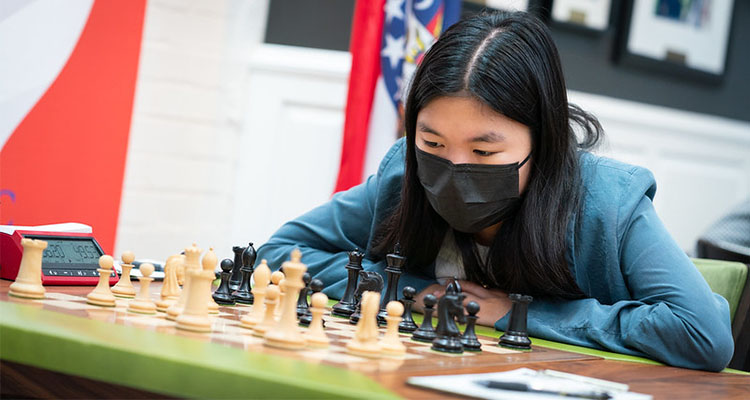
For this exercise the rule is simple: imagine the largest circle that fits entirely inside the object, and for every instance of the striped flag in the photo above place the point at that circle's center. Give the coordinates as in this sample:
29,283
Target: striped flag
67,82
388,41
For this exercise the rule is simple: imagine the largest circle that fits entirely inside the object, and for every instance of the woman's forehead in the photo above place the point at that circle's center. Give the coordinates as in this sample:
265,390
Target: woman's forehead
466,118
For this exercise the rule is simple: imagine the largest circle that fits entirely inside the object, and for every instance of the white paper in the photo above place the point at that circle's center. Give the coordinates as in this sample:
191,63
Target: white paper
596,11
703,42
467,385
66,227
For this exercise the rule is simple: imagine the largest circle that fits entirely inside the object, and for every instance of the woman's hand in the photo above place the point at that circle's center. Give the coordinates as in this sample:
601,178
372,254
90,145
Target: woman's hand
493,303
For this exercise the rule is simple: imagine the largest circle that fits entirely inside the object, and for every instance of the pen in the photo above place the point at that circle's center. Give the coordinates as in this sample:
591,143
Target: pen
522,387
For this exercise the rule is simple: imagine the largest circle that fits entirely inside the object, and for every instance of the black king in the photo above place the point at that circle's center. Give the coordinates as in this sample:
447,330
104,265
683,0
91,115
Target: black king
394,263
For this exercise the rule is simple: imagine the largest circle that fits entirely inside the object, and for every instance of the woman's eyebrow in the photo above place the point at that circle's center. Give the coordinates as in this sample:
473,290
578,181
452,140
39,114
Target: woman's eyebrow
489,137
425,128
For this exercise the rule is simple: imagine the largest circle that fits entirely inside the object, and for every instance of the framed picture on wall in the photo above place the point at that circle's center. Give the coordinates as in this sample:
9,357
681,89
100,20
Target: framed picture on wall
686,37
508,5
588,14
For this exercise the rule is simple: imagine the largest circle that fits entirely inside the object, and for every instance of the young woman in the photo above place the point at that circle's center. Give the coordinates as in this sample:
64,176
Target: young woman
491,185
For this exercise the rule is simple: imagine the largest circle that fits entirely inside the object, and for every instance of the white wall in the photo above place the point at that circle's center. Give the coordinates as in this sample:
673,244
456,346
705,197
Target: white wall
291,137
701,162
232,138
182,157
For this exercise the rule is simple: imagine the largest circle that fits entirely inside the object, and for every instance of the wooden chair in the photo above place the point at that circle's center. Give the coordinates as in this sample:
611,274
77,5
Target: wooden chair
715,251
730,280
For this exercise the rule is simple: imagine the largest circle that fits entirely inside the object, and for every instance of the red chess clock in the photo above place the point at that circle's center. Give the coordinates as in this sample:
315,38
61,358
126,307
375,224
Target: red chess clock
69,259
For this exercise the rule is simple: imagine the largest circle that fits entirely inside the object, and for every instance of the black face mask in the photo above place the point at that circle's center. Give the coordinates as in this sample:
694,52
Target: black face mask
470,197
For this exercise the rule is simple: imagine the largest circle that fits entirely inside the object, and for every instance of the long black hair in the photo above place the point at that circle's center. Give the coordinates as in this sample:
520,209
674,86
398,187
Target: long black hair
509,62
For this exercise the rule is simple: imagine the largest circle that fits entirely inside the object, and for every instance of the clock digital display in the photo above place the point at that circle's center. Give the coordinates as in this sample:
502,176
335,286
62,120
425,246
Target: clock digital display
71,252
70,256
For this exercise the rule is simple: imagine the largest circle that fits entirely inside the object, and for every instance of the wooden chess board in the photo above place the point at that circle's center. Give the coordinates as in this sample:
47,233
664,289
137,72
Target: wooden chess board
113,332
226,330
68,340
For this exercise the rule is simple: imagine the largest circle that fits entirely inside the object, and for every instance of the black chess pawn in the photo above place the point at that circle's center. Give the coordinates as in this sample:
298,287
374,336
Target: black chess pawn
348,304
316,285
302,305
426,332
234,282
517,337
393,271
223,295
407,324
469,339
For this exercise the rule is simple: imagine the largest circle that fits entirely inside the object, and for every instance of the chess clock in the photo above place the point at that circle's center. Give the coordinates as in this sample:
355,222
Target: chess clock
69,259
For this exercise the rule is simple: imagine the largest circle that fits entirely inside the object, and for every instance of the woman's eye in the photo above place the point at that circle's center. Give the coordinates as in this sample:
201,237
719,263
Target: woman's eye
431,144
483,153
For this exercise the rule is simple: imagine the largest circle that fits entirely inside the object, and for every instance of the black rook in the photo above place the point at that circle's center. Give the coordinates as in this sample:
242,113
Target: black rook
517,337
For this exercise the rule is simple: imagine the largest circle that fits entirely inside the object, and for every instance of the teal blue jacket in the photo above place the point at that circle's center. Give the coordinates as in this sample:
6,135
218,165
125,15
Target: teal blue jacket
644,295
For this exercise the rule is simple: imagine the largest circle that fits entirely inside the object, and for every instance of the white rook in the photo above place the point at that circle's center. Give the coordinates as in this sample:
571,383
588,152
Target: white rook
28,283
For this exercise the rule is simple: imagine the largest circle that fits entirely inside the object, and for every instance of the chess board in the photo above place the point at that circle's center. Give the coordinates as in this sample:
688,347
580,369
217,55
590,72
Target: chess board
226,330
227,333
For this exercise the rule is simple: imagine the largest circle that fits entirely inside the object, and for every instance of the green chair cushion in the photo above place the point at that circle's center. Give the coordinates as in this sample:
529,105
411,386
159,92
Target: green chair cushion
726,278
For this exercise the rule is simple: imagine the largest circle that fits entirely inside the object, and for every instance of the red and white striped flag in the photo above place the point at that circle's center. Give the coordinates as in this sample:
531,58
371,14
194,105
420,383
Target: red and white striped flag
67,85
388,40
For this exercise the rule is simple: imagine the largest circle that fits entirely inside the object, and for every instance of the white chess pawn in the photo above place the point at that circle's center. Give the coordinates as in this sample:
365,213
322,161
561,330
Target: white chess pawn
276,278
272,295
282,294
142,303
28,283
209,262
261,277
316,335
124,287
391,343
102,294
181,275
